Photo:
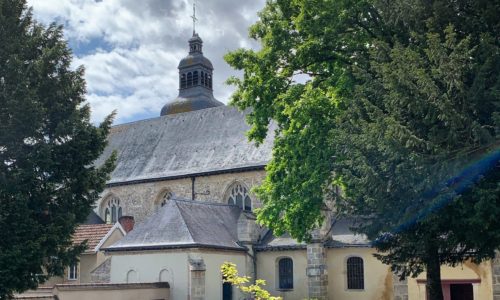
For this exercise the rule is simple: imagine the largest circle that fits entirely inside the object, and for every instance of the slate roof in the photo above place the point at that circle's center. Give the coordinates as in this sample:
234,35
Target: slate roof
185,224
179,145
93,233
93,218
341,236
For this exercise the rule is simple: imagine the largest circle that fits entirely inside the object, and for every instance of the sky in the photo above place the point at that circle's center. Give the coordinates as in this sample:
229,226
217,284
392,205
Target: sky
131,48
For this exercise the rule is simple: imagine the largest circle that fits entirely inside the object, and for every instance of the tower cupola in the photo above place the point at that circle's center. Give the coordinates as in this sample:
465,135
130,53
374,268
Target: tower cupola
195,80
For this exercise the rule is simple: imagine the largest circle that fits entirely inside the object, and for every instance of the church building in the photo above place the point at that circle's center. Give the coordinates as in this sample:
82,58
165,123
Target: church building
186,179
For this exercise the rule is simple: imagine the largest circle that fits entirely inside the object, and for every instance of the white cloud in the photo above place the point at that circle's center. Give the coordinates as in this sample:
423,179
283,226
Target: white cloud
131,48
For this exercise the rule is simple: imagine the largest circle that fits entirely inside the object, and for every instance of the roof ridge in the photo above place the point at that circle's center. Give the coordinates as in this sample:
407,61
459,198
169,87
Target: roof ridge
184,221
172,116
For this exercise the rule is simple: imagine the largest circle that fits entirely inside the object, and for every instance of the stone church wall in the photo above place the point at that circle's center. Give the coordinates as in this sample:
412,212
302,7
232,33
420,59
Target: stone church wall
140,200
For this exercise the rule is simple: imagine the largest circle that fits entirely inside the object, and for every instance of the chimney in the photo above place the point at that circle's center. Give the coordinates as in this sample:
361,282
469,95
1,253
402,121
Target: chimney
127,223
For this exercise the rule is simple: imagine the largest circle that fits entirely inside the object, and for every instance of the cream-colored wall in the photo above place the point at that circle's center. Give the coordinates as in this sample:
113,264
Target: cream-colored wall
267,270
149,264
90,261
139,200
378,278
466,271
110,293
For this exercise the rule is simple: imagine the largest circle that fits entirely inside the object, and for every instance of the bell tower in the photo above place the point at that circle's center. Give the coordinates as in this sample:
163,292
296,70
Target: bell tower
195,79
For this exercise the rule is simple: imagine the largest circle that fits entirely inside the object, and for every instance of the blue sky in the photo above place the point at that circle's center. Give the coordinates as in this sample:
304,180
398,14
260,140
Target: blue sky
131,48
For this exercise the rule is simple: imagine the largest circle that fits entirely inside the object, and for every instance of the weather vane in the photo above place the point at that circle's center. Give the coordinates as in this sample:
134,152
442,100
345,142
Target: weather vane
194,17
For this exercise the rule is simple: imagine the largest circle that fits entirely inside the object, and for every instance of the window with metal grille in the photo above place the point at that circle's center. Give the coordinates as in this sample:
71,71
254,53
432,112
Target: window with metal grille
285,270
355,273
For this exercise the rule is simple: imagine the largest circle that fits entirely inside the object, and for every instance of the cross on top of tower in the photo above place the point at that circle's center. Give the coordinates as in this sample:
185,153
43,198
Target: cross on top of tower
194,17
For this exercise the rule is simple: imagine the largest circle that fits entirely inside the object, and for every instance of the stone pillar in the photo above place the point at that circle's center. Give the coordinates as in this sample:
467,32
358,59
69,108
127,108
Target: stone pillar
197,279
495,272
317,271
400,287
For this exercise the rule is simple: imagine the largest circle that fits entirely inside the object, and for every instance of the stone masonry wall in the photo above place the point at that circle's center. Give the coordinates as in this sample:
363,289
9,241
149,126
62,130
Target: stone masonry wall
400,288
495,271
317,271
102,273
140,200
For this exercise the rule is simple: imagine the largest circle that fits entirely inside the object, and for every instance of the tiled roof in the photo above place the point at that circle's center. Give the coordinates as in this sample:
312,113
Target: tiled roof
185,224
93,233
206,140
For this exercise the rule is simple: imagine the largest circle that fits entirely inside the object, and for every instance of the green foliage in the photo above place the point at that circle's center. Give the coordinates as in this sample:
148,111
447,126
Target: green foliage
48,182
389,100
256,290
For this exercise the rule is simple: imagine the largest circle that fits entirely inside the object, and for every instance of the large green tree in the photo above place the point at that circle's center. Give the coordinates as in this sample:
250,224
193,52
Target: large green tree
48,183
391,100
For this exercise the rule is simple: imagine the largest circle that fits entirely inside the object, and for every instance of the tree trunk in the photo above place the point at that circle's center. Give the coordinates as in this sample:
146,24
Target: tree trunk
433,285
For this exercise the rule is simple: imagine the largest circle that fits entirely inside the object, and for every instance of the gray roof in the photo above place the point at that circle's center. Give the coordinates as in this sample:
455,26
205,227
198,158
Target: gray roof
179,145
341,236
185,224
191,99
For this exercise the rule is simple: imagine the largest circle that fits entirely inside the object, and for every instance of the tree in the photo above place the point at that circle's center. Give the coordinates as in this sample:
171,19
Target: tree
389,100
230,274
48,182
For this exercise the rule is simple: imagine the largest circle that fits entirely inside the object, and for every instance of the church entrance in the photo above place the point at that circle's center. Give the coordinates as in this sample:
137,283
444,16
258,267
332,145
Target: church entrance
227,291
461,292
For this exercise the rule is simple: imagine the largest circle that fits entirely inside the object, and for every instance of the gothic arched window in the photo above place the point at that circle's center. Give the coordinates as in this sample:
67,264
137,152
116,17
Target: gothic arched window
183,81
195,78
238,195
355,273
164,199
190,79
285,273
112,211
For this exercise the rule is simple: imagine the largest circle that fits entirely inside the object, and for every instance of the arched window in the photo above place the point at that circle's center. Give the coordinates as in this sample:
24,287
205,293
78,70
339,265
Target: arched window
132,276
238,195
285,273
195,78
206,79
183,81
164,275
164,199
112,211
190,79
202,78
355,273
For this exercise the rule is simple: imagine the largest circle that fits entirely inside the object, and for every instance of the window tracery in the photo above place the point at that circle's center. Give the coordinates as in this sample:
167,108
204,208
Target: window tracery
238,195
164,199
113,210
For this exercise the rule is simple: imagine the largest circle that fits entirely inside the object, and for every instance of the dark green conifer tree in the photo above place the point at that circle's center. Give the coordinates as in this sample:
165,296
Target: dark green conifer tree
48,183
391,100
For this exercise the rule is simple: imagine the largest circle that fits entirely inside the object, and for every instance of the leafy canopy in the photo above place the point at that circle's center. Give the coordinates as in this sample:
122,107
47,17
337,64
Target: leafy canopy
389,100
48,182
